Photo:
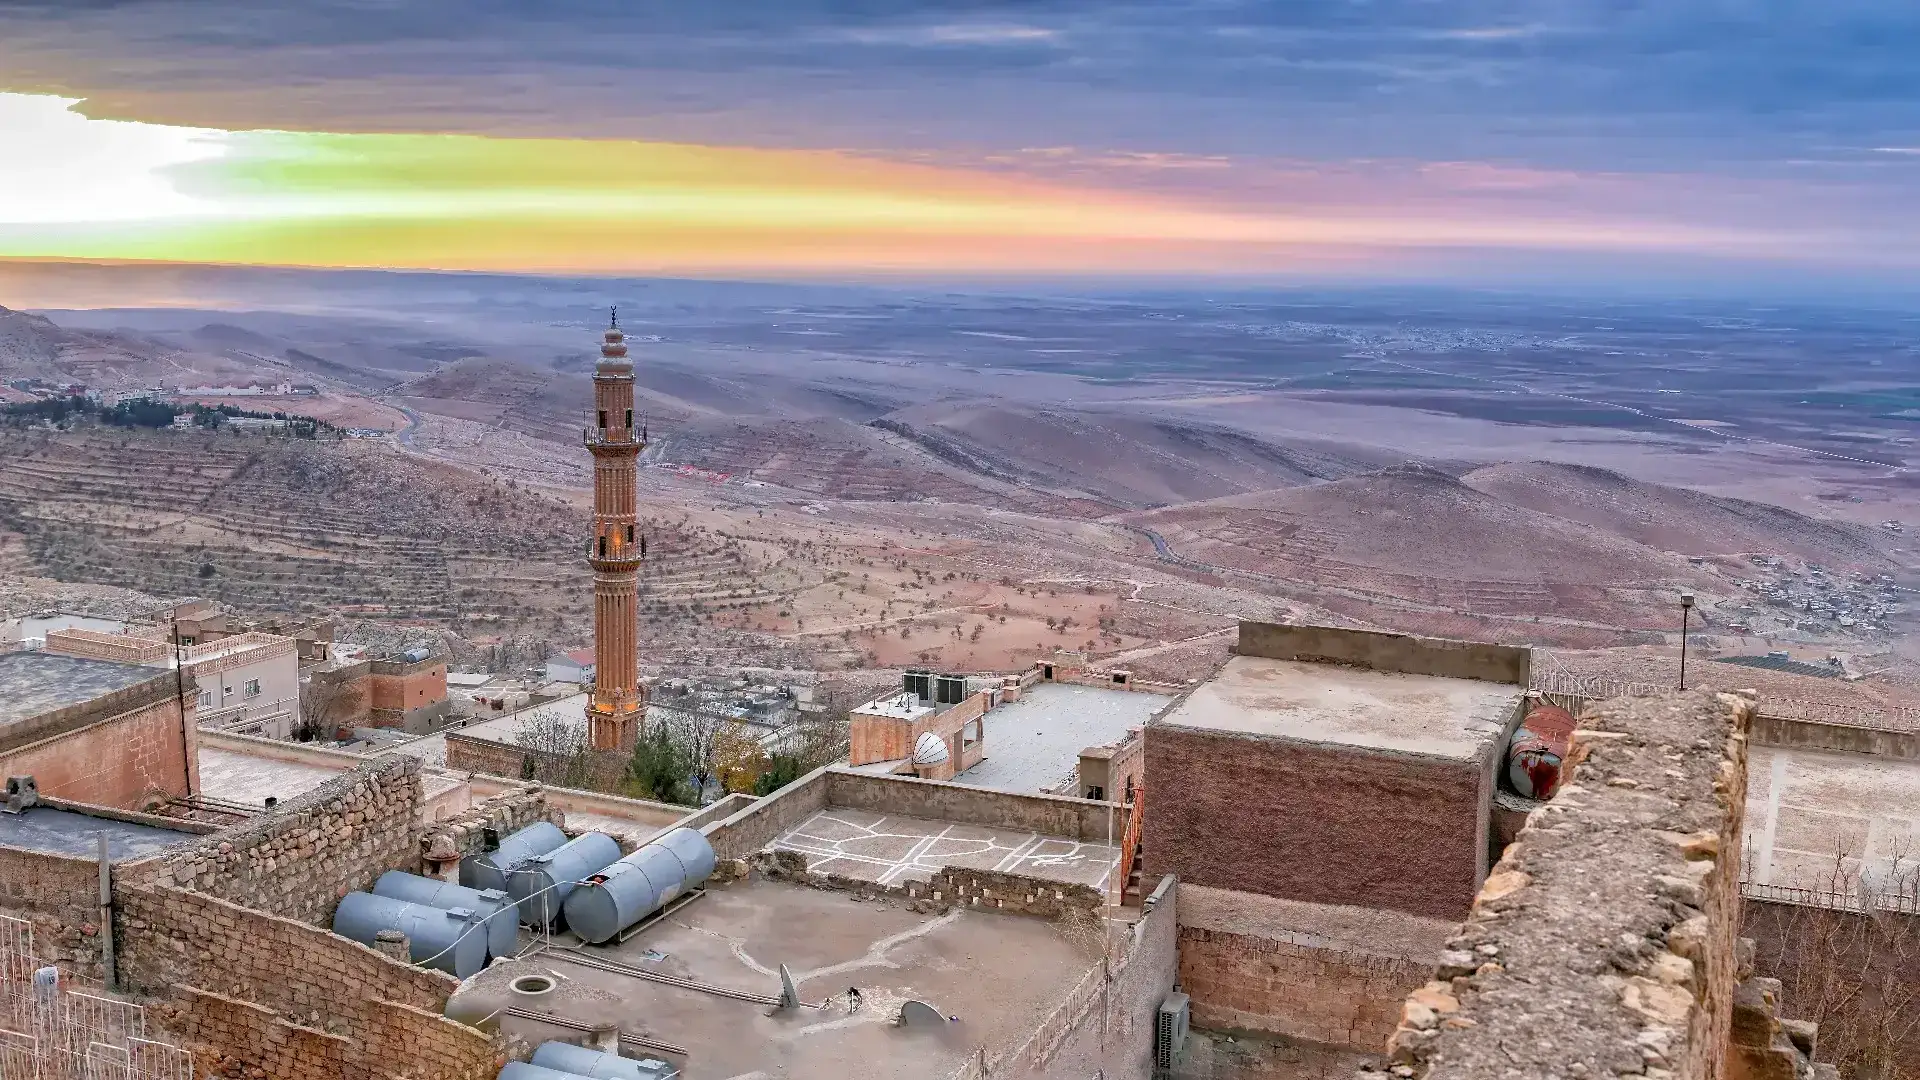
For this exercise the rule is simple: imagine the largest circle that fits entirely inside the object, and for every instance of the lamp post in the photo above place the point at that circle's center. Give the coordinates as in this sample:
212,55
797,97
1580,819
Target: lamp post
1686,608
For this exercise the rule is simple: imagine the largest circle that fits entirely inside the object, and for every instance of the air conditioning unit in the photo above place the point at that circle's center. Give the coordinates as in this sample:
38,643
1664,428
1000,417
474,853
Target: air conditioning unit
1170,1030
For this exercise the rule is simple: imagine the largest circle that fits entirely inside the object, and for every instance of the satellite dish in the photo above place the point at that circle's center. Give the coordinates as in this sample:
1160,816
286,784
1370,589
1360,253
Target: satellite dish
929,749
920,1014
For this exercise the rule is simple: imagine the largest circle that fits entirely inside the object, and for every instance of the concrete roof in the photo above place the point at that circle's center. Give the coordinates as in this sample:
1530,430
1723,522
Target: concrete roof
1350,706
63,832
1000,974
1034,744
249,779
1812,812
35,683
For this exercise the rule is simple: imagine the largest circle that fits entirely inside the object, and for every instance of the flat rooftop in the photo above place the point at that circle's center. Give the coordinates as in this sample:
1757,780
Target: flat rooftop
1812,812
1000,974
238,777
63,832
890,849
1033,744
35,683
1351,706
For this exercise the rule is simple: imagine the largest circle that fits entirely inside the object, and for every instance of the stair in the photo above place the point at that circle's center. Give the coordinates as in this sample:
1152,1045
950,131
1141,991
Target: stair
1130,892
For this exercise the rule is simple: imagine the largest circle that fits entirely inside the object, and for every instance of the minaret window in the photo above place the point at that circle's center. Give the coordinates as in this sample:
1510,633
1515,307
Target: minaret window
603,546
603,419
629,419
629,534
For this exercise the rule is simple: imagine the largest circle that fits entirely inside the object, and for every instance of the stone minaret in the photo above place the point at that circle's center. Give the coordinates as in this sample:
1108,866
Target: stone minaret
614,552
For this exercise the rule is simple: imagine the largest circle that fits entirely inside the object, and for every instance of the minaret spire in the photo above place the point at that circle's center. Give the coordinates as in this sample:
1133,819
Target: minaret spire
615,550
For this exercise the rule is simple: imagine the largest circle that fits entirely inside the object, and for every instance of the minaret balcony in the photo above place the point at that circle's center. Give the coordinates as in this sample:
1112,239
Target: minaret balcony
612,439
615,557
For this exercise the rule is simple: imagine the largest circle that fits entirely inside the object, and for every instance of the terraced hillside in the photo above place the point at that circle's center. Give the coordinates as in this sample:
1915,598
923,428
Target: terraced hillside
1413,548
356,527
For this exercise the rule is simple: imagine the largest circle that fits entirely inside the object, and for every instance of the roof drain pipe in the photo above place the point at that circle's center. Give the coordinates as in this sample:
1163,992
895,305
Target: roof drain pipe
106,914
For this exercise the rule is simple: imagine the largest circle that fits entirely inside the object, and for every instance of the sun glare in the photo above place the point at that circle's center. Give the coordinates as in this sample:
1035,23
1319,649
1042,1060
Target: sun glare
61,167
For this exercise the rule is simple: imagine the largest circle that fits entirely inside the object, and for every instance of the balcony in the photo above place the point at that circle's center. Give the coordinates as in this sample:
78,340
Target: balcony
612,438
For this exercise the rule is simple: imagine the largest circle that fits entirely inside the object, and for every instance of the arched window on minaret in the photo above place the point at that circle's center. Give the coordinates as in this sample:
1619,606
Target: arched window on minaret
629,419
629,534
603,419
603,545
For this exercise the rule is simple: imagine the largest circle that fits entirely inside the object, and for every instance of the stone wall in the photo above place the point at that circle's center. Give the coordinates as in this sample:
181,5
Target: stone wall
1322,975
465,834
1605,941
125,760
1387,652
956,886
1048,815
767,819
298,860
262,991
94,645
1364,828
60,896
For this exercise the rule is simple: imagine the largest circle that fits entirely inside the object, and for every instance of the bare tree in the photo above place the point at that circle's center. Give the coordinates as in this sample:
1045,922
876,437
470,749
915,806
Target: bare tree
324,705
1847,953
556,748
700,736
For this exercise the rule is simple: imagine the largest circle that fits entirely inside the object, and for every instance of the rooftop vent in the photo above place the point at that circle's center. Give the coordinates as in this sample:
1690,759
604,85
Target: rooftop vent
929,749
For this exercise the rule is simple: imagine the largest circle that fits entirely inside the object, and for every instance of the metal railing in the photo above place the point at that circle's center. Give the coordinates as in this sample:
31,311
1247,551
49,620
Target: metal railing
1859,901
50,1029
1130,840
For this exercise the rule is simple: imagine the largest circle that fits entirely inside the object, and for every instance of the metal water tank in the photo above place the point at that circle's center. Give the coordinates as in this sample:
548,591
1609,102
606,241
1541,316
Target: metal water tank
451,941
541,884
600,1065
487,870
493,905
520,1070
638,885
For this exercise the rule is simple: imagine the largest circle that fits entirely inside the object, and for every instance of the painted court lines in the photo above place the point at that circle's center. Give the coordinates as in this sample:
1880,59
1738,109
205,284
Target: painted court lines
889,849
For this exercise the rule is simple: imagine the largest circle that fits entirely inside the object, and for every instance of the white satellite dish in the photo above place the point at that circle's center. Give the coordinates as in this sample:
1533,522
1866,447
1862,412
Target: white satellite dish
929,749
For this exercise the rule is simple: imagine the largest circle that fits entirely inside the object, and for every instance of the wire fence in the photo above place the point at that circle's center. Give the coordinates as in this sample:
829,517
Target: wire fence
55,1026
1572,690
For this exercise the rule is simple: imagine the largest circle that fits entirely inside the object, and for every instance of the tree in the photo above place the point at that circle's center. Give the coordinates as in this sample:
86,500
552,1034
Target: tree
658,768
739,760
698,736
781,770
324,705
556,746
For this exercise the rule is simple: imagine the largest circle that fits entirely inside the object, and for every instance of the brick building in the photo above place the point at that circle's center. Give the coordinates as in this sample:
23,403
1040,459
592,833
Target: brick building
1325,800
932,728
119,735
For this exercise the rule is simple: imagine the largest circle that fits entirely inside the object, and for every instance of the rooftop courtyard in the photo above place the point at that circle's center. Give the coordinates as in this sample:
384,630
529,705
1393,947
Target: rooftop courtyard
996,974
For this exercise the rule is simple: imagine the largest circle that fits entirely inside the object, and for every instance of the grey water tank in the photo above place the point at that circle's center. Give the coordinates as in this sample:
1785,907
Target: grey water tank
599,1065
452,941
487,870
638,885
541,884
493,905
520,1070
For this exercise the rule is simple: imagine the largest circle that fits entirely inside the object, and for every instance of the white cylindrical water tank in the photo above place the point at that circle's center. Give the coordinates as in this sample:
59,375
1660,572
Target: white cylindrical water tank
451,941
493,905
488,869
541,884
640,884
600,1065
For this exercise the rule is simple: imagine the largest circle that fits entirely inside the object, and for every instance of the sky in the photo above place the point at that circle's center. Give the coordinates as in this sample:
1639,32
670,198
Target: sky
1389,139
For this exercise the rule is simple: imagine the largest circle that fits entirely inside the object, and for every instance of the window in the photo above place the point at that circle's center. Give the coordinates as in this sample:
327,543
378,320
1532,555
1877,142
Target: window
629,534
188,640
970,734
1095,793
603,546
206,699
629,419
603,419
253,687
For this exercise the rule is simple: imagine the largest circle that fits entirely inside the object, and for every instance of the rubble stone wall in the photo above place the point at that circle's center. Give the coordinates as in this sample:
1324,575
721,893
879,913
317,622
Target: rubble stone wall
1606,940
59,895
298,860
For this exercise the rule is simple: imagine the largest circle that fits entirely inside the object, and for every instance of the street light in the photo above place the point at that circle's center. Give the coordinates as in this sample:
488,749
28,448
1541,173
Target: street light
1686,608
